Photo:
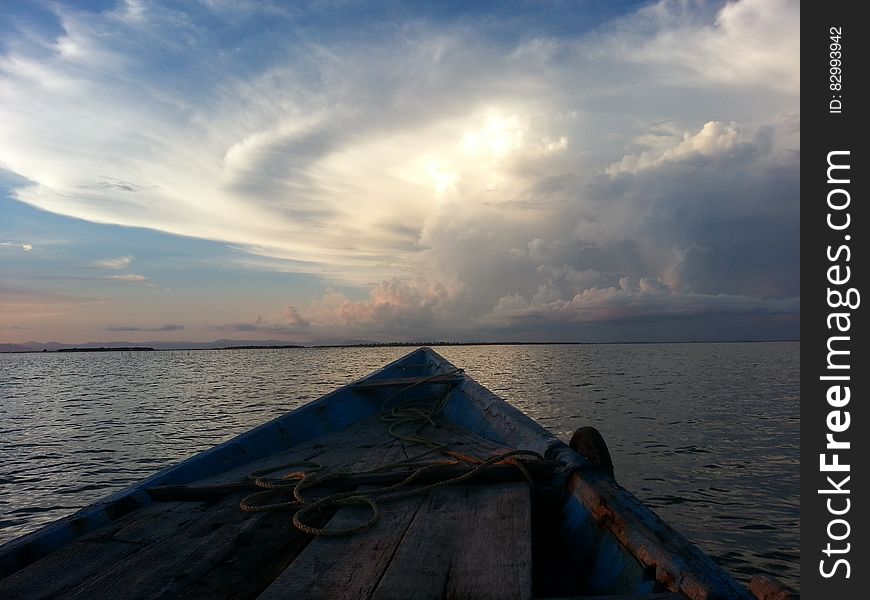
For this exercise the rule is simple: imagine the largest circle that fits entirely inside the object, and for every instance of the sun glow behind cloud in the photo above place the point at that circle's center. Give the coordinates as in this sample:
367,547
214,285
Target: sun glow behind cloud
451,174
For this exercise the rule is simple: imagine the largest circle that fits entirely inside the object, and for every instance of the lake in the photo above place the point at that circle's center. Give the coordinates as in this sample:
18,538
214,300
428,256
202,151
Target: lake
705,434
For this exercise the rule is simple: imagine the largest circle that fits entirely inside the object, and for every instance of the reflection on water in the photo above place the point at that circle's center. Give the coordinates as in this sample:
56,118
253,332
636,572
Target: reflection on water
706,434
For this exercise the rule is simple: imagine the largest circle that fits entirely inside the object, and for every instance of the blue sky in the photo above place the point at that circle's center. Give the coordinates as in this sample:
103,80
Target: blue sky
331,171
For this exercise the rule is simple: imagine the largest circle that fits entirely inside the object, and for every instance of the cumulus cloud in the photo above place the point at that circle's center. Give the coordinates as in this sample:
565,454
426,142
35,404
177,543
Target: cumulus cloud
713,138
392,306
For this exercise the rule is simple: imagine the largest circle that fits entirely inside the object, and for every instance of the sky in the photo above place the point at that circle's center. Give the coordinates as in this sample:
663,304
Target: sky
332,171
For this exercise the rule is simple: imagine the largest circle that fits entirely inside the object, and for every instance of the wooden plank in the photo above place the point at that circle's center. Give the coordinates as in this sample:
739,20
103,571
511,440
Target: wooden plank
650,596
54,575
198,551
349,566
255,562
199,560
465,542
497,473
346,567
150,523
160,566
59,572
458,438
260,546
175,549
367,433
407,381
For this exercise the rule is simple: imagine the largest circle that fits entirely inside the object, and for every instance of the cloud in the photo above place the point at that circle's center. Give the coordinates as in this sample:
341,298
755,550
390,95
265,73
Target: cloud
393,305
25,247
632,301
129,277
294,319
122,262
445,173
750,44
126,277
166,327
293,322
713,138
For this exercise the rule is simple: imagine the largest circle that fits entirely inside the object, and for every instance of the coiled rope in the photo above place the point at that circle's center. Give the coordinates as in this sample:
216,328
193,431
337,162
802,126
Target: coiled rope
412,414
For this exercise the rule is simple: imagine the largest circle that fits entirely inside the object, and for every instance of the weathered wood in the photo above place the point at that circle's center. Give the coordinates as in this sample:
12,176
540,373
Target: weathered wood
458,438
367,433
351,567
465,542
407,381
255,562
62,571
346,567
680,566
161,566
150,523
273,543
541,470
328,567
765,587
653,596
54,575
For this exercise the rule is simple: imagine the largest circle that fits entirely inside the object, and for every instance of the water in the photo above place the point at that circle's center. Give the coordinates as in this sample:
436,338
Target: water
706,434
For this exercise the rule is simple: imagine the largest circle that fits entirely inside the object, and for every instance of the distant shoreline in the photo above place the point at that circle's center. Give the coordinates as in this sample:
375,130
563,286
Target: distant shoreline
104,349
367,345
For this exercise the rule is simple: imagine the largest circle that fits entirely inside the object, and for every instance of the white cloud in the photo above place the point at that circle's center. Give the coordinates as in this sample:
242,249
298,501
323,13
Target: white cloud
130,277
26,247
713,138
121,262
749,43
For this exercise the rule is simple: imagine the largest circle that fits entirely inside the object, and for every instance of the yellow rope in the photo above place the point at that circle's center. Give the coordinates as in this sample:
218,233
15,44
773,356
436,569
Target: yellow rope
411,412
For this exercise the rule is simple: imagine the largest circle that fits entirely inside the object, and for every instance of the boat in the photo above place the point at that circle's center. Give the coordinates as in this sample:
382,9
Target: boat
412,482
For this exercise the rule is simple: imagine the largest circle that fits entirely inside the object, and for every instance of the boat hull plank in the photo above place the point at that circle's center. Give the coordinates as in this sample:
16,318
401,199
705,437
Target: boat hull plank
164,567
160,548
87,557
395,382
367,433
349,566
465,542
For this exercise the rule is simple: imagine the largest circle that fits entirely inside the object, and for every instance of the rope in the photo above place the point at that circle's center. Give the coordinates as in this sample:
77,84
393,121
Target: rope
412,413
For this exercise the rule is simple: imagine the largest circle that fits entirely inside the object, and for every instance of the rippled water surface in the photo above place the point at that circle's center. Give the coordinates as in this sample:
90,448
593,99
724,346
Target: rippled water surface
706,434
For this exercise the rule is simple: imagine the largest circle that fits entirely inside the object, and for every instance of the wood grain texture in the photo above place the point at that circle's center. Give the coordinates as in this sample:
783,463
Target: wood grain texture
349,566
465,542
407,381
71,566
